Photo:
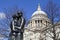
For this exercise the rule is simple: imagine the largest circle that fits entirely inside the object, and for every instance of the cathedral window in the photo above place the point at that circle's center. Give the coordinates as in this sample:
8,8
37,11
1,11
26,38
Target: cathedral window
35,21
31,21
38,21
41,21
46,23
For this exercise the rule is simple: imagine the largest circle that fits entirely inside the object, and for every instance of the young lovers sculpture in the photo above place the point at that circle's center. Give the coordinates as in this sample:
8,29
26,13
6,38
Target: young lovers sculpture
17,27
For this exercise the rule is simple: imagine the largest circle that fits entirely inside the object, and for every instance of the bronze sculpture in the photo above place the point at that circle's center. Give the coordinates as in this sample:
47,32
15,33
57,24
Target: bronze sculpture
17,27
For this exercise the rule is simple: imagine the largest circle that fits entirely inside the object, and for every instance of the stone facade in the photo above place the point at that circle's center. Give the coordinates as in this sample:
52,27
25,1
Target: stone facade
38,22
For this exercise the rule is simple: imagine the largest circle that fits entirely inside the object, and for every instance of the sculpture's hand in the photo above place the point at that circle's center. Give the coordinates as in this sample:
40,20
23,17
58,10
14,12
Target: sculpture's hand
17,27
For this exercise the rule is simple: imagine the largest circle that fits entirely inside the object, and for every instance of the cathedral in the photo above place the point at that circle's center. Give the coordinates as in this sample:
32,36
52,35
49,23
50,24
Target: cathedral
38,22
37,25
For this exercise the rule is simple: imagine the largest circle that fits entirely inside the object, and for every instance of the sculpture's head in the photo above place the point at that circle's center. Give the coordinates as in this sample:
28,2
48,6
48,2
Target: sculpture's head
20,14
14,16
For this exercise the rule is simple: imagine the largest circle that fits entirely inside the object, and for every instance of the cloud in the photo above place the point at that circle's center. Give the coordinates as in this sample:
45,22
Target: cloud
2,15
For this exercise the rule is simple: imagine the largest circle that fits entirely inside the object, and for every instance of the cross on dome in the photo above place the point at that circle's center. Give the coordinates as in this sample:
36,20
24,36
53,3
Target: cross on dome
38,7
39,11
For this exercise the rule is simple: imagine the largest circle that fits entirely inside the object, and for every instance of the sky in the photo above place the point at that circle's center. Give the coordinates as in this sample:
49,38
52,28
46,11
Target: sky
28,6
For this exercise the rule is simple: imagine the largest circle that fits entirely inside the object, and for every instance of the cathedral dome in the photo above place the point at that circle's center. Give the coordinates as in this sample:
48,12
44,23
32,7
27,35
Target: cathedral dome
39,11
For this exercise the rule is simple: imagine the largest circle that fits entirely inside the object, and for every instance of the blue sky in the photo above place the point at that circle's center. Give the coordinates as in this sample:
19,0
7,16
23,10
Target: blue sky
28,6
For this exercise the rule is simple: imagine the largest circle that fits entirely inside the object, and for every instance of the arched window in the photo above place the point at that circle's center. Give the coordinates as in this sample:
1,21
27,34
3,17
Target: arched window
46,23
31,23
35,21
41,21
38,21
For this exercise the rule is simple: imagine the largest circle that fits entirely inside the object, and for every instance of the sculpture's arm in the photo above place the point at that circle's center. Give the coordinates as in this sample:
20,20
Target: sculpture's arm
21,24
13,27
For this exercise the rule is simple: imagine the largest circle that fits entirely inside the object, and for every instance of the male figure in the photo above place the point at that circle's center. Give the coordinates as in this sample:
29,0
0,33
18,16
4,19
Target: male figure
21,23
13,32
